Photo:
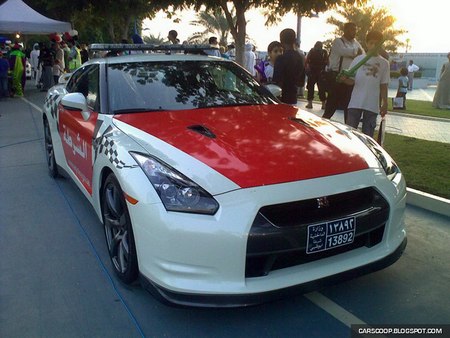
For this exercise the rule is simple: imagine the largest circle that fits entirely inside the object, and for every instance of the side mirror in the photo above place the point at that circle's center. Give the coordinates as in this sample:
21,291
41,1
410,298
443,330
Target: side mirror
64,78
76,101
274,89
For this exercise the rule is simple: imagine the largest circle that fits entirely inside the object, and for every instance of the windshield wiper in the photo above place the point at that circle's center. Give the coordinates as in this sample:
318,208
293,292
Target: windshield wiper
238,104
136,110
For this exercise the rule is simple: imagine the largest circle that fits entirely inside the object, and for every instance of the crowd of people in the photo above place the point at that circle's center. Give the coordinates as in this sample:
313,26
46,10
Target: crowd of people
364,95
48,61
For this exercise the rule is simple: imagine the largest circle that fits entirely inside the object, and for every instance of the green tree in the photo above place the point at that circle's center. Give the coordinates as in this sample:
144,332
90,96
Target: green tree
91,27
58,10
215,23
368,18
120,15
102,20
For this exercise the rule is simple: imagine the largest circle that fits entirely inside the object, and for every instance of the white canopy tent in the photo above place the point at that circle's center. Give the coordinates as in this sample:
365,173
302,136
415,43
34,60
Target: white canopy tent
16,16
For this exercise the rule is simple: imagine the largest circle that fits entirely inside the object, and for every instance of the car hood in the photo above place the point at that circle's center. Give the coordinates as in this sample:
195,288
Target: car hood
255,145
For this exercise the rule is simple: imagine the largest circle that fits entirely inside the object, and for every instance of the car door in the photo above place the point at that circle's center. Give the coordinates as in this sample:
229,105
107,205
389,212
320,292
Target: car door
76,128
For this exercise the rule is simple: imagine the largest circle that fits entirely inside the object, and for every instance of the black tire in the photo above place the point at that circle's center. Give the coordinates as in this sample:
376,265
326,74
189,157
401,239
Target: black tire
118,231
49,151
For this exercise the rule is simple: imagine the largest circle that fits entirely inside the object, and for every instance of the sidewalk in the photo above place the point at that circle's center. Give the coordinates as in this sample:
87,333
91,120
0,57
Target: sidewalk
421,127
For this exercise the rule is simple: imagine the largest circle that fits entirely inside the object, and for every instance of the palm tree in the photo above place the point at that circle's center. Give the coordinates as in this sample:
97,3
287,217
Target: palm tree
368,18
214,23
154,40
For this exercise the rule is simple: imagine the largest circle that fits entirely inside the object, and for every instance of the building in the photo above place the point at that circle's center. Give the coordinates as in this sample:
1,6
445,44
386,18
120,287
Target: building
430,65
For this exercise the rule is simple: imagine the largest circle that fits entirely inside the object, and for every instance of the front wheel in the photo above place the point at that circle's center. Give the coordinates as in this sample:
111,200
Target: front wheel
118,231
49,151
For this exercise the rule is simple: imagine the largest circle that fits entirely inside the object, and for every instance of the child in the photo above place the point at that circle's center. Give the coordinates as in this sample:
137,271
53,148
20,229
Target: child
57,71
264,70
402,87
370,87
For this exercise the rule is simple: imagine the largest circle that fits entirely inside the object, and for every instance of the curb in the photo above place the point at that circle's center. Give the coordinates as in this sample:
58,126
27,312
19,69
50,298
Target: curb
419,117
396,113
428,202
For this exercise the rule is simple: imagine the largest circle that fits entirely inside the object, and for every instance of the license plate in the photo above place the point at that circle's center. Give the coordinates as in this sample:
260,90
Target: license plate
329,235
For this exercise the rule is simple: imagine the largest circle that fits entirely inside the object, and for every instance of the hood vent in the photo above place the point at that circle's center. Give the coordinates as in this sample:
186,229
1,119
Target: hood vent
202,130
300,121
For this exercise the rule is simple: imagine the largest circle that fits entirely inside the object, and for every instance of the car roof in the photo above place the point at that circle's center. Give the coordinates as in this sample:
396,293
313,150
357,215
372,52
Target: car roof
153,53
157,57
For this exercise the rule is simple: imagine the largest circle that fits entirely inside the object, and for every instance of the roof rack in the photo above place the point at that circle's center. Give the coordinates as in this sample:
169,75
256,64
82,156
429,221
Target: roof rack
142,47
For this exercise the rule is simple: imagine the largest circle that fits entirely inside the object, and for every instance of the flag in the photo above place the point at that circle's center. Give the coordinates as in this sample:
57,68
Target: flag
381,131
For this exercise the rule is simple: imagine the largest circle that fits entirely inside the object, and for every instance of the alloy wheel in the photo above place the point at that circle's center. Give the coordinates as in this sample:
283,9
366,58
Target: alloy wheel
49,151
119,236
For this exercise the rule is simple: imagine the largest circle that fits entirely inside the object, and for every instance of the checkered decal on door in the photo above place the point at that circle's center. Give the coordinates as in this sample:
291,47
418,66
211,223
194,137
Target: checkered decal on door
51,103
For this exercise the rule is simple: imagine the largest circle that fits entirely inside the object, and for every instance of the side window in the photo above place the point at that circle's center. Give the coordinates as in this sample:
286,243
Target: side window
93,96
86,82
74,79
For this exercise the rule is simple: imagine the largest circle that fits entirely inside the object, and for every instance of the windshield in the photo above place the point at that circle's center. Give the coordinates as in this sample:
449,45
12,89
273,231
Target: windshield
175,85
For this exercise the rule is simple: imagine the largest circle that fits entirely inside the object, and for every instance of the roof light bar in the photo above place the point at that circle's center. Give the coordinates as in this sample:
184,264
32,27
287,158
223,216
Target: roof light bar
122,46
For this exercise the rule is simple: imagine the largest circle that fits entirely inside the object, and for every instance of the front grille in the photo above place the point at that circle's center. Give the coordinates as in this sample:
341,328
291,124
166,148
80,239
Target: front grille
307,212
278,236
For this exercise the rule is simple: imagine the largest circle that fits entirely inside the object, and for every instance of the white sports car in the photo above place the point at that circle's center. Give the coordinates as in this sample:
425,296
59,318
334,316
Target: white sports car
214,193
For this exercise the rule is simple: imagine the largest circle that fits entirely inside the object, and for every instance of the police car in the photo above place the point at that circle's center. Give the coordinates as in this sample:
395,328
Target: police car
211,191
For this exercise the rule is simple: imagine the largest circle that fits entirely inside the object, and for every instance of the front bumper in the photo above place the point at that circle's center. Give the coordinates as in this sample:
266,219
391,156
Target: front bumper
188,256
237,300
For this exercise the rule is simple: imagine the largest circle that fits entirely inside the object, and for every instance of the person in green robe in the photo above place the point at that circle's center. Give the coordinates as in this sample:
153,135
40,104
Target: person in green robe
17,64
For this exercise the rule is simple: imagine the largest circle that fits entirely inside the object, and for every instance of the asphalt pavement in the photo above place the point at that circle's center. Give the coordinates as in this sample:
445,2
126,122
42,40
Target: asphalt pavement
56,279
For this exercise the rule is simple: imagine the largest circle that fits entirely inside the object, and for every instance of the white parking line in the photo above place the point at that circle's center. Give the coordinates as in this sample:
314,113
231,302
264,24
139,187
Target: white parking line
334,309
32,104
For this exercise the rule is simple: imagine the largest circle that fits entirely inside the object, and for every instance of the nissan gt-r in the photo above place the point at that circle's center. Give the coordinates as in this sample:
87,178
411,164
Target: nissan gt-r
211,191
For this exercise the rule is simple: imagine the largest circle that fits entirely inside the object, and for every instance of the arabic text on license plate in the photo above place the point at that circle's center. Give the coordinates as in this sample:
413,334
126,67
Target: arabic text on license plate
330,235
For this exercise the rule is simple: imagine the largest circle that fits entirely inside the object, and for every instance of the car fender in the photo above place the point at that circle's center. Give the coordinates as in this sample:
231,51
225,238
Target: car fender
51,114
203,175
112,155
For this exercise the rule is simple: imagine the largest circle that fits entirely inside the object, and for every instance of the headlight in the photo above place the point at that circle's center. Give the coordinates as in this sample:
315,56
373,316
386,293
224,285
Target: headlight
177,192
390,167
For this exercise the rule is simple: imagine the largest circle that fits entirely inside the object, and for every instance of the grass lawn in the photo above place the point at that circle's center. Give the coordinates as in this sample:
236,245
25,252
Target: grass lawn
425,164
417,107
